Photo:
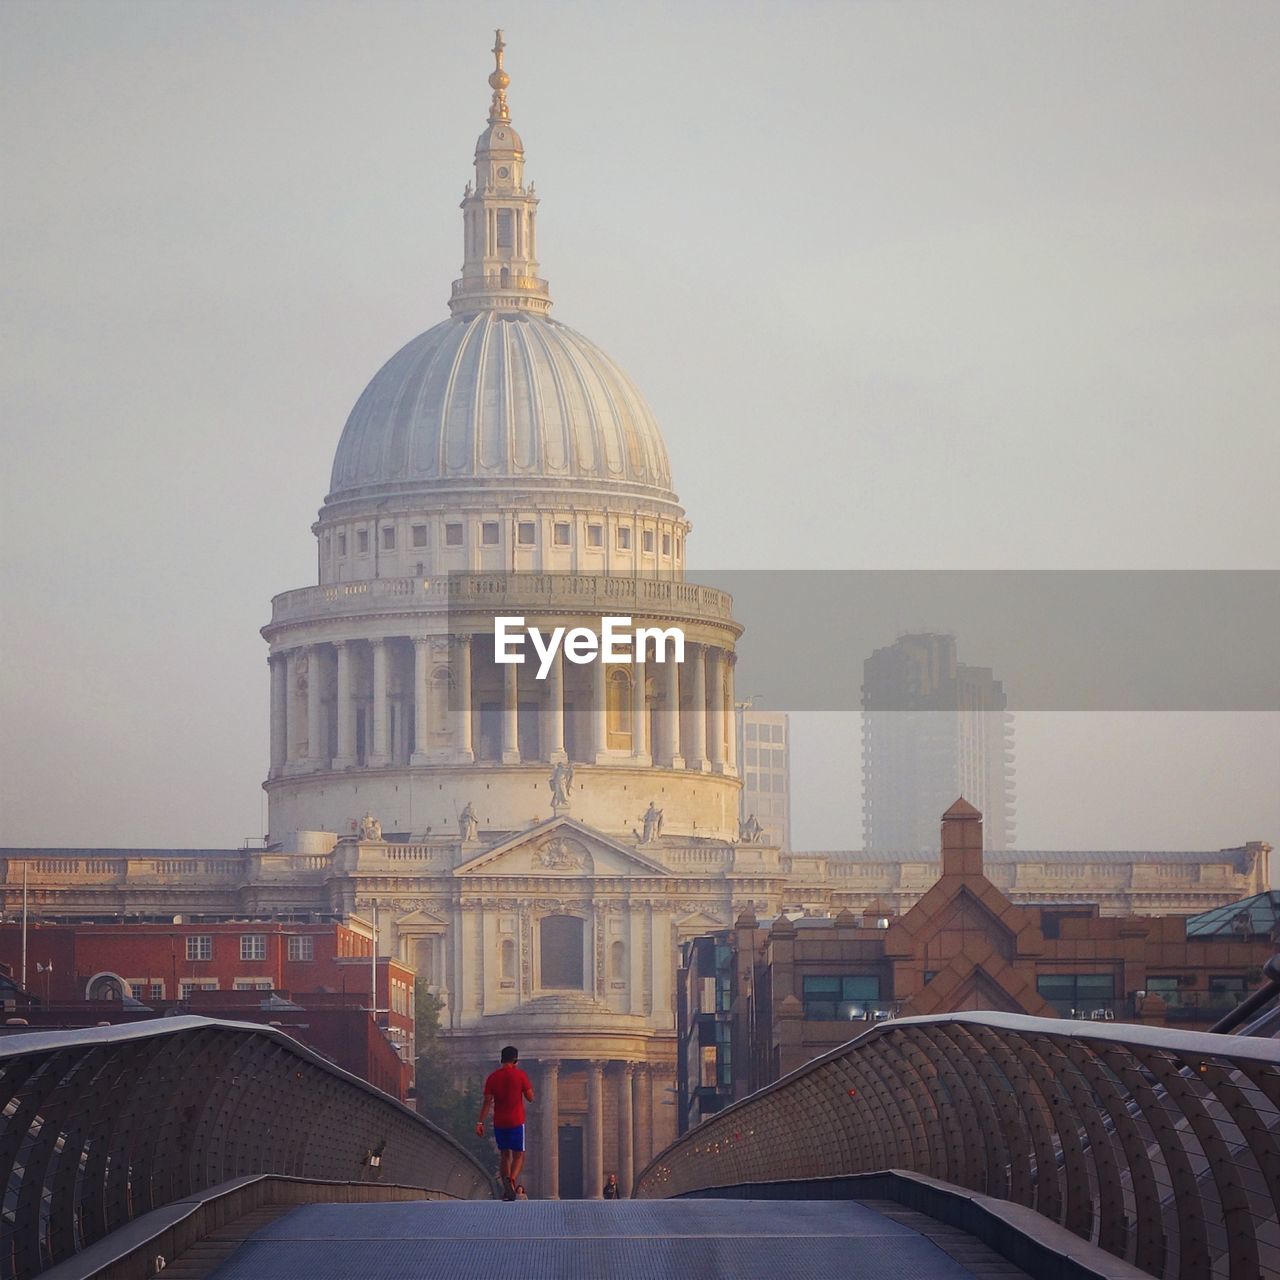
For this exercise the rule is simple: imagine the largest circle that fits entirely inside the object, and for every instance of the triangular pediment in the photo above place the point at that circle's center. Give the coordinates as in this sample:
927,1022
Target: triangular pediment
561,848
698,922
422,918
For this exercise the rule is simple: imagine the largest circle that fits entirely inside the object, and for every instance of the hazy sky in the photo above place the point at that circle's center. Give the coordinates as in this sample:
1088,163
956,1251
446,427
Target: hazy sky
956,285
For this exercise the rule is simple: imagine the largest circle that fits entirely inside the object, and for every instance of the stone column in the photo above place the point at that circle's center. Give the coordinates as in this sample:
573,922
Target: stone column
555,709
279,713
381,753
643,1116
599,712
698,710
462,700
670,720
293,715
316,750
639,715
510,714
421,698
595,1131
715,718
731,712
626,1143
550,1135
345,709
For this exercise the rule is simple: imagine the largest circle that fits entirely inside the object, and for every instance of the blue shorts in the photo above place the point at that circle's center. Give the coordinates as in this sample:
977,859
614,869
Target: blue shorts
509,1139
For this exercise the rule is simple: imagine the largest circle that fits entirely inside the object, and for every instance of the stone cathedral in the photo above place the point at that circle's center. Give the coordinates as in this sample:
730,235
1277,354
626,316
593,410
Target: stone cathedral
535,848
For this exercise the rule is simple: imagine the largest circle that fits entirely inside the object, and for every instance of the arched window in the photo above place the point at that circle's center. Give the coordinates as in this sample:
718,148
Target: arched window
508,960
561,952
618,710
617,962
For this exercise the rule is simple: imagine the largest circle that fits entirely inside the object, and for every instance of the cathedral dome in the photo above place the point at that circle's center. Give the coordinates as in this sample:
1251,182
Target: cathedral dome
500,397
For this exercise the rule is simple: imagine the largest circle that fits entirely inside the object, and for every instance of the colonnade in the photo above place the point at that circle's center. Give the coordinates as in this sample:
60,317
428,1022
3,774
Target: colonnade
676,715
624,1091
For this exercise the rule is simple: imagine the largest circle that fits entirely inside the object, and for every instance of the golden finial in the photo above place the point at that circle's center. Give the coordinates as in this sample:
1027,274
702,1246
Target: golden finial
498,81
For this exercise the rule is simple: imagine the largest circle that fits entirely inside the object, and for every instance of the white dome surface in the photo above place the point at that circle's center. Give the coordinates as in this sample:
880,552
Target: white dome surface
491,398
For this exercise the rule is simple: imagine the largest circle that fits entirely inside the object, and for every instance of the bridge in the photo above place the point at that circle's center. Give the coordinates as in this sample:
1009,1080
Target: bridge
969,1145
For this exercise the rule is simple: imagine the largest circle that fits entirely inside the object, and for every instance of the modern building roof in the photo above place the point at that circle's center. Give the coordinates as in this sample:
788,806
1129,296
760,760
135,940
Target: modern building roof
1249,917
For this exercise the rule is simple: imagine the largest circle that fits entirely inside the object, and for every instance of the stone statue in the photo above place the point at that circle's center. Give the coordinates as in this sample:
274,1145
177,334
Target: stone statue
750,832
561,784
370,828
468,823
652,824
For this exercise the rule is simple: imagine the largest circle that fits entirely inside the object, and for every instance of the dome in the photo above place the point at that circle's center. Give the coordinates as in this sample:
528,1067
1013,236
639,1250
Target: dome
515,398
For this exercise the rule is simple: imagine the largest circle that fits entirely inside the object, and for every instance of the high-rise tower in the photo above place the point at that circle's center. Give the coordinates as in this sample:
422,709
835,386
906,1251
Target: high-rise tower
933,729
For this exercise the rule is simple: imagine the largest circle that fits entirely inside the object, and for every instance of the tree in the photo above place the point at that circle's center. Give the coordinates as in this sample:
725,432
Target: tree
440,1099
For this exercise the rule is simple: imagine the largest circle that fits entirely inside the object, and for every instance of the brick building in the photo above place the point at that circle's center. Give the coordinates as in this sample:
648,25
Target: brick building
310,979
758,1000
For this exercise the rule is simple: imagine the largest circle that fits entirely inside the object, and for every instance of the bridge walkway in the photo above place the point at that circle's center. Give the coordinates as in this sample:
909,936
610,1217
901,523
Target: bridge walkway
602,1240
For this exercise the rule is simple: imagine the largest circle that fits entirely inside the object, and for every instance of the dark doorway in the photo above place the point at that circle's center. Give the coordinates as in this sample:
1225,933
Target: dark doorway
571,1174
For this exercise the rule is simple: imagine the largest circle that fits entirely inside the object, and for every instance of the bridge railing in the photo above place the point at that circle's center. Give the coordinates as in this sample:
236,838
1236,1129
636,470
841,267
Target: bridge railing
103,1125
1160,1146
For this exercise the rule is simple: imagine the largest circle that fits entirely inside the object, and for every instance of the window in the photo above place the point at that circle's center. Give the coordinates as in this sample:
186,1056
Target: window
624,537
560,534
1226,990
302,947
524,533
453,535
156,991
1081,994
138,990
840,996
666,544
561,952
753,731
419,535
617,961
646,541
595,535
388,537
504,228
509,960
199,946
189,985
342,544
362,541
253,946
251,984
489,533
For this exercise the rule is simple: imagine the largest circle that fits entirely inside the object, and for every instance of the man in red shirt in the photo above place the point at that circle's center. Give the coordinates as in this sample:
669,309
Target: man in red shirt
506,1091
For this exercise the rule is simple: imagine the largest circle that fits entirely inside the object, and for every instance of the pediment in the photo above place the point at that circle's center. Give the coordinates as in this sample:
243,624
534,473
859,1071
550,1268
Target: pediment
421,917
561,848
698,922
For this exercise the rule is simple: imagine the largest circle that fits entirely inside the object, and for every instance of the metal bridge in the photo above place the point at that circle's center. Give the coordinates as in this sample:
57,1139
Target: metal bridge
968,1145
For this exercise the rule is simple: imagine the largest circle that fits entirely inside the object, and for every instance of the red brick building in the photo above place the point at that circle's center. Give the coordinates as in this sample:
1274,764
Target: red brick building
312,980
759,1000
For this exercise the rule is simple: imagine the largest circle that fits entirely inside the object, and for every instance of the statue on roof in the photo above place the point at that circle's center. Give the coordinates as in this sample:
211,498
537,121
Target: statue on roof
370,828
561,784
750,832
652,824
468,823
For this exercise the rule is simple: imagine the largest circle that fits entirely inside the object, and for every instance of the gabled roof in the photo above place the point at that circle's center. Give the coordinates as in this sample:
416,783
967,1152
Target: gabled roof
538,836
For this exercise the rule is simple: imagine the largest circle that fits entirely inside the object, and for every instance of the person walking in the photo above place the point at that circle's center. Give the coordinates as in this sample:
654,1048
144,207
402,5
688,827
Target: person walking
505,1092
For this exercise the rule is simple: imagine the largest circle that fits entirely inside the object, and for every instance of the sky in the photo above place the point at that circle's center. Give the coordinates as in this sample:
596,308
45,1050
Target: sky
908,285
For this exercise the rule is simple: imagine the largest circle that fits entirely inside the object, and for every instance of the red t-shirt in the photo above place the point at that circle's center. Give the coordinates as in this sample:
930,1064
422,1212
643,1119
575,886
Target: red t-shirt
506,1087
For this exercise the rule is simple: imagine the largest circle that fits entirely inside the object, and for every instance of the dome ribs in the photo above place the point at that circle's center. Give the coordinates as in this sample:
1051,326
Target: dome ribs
492,421
494,397
526,402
